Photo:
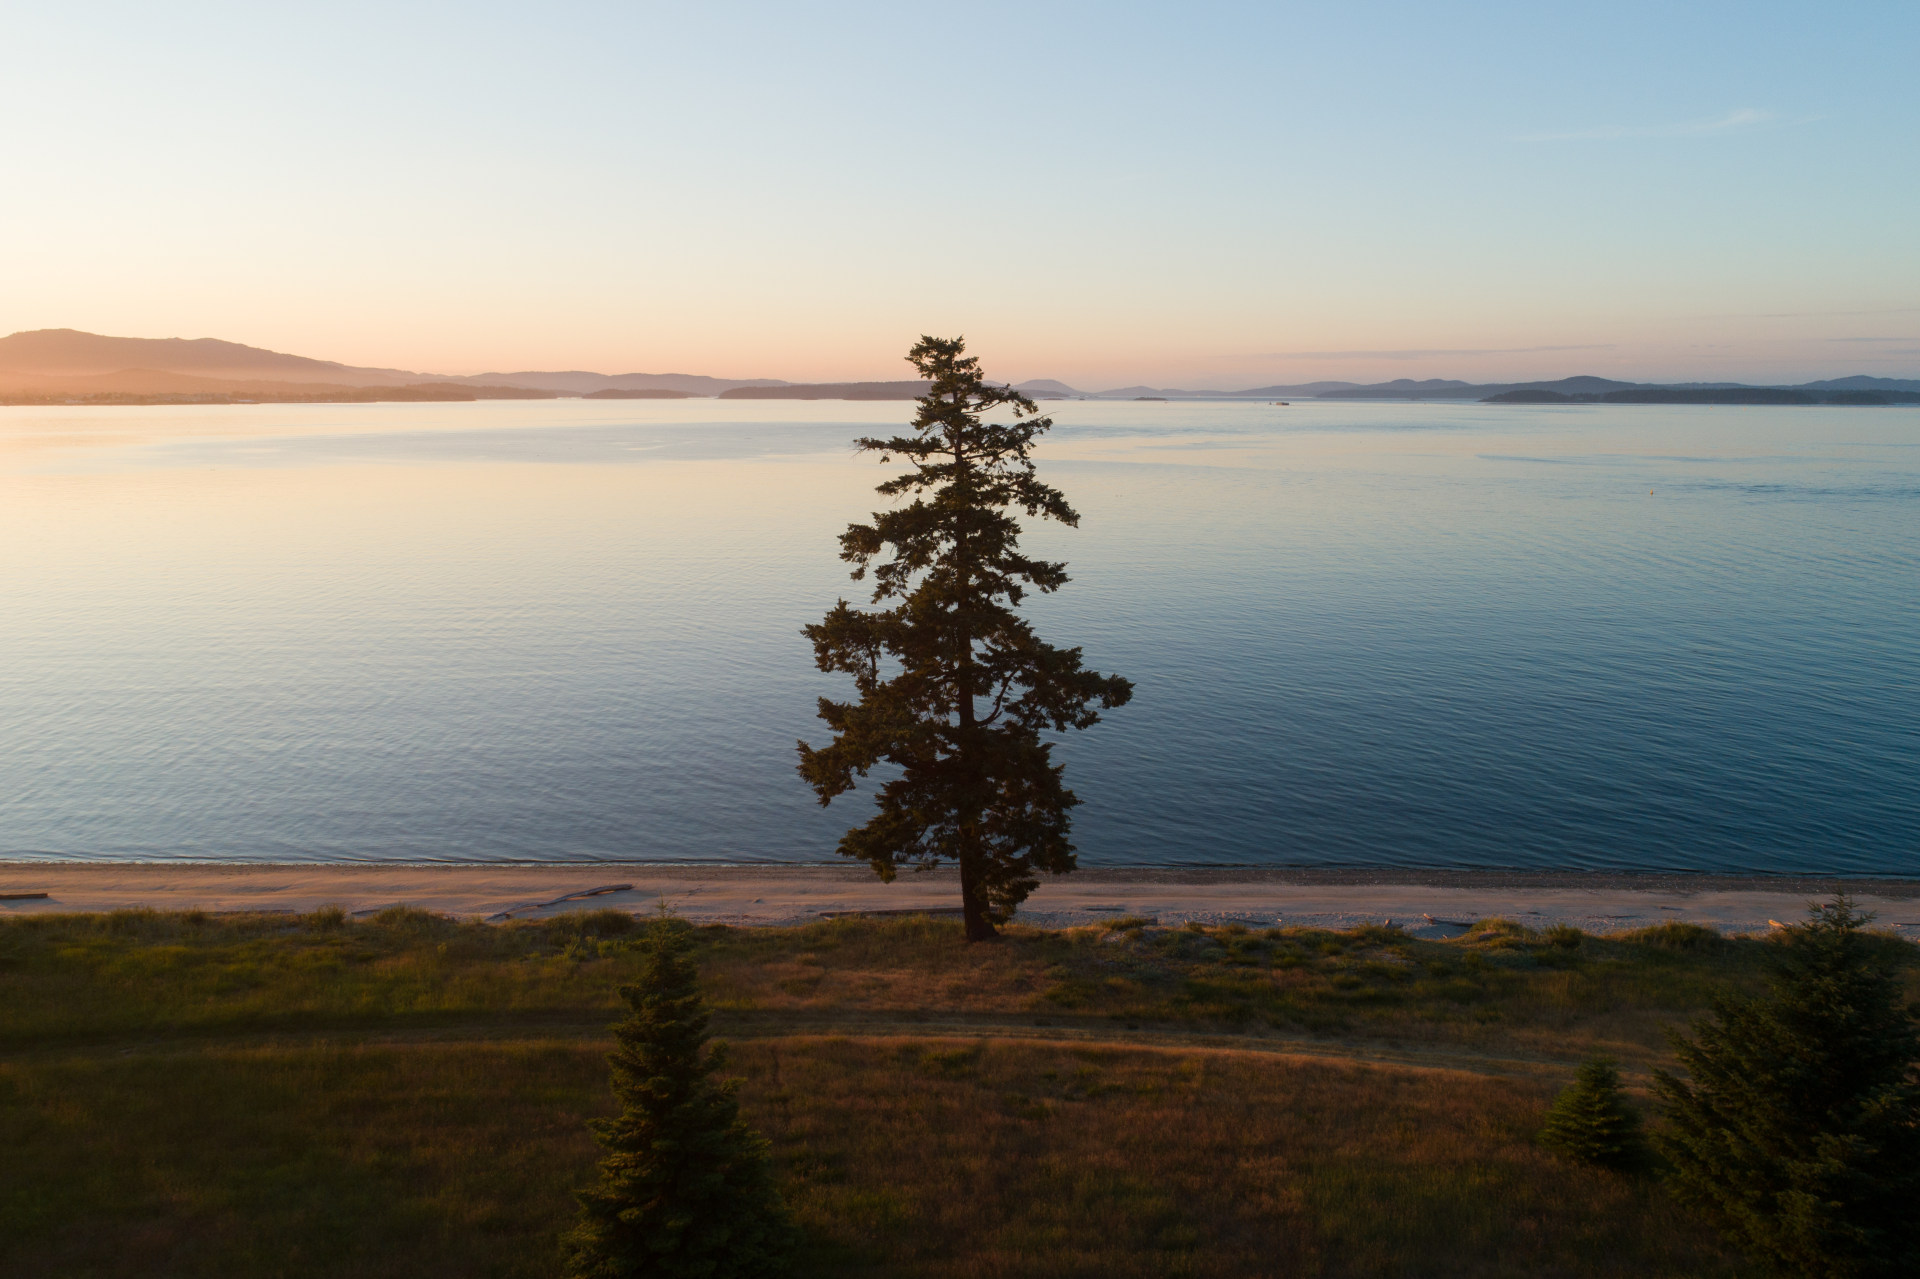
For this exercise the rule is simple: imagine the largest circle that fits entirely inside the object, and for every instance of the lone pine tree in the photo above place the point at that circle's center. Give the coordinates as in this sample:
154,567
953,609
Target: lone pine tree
685,1188
955,689
1798,1129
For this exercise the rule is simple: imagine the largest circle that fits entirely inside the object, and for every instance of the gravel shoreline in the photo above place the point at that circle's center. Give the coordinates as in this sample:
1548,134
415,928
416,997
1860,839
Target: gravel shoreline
1432,902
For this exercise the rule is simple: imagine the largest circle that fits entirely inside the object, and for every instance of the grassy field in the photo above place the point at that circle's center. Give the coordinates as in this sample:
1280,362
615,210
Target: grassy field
259,1095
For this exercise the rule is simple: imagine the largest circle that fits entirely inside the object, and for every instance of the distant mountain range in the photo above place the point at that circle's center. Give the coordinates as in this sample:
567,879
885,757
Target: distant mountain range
66,365
62,364
61,356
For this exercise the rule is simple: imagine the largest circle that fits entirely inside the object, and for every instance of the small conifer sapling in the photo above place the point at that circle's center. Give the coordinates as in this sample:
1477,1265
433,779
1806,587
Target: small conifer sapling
685,1187
1591,1121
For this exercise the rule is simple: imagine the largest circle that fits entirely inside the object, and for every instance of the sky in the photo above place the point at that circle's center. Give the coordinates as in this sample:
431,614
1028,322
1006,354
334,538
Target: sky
1192,195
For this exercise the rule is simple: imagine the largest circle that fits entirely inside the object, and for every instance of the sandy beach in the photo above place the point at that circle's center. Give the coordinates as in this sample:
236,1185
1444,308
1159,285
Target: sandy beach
1428,904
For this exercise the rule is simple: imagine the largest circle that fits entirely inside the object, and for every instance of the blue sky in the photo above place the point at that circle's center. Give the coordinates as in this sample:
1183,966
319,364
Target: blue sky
1192,194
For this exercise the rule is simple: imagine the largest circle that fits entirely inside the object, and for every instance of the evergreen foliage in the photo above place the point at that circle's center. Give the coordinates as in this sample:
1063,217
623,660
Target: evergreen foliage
1798,1128
685,1188
955,688
1591,1121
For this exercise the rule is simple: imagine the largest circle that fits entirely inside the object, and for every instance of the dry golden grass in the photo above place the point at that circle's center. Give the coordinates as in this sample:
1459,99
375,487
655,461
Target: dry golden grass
902,1158
293,1160
957,1158
1501,989
186,1095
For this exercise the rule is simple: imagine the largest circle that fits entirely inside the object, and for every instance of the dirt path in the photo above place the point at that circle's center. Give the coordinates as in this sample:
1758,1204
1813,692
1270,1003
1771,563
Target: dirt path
1047,1030
781,1025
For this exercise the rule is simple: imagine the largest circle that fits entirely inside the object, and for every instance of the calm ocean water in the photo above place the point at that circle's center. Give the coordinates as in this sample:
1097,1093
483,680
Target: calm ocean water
1362,634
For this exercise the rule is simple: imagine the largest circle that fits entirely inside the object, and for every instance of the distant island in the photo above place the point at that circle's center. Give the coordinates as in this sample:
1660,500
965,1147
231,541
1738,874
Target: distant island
1860,389
829,391
67,366
1704,395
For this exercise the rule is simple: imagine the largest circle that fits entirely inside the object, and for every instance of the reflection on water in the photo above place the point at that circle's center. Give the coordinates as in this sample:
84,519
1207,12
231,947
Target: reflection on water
1646,636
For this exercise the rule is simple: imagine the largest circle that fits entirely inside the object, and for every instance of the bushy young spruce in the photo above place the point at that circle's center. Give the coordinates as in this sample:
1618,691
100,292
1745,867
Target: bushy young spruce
1591,1121
685,1188
1798,1129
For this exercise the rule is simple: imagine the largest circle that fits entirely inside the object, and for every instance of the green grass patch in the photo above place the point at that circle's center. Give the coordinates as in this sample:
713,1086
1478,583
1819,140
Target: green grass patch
79,979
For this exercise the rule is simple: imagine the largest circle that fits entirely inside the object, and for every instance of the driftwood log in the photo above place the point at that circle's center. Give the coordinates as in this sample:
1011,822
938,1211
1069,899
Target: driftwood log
564,897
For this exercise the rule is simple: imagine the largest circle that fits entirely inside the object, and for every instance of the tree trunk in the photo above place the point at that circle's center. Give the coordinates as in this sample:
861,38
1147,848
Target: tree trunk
973,902
973,905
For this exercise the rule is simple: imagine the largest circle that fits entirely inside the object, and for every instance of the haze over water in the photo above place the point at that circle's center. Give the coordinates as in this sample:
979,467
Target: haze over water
1361,634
